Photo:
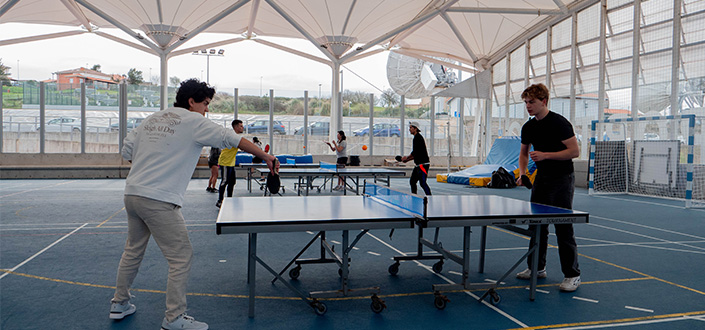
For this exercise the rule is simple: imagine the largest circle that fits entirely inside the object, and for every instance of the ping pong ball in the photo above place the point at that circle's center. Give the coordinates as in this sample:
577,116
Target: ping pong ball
364,147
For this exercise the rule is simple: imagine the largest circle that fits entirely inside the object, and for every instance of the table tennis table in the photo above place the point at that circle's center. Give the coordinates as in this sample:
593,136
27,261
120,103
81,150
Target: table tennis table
329,171
250,168
381,207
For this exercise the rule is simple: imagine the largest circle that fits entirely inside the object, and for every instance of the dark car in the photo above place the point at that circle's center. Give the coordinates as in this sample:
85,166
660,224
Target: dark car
131,123
379,130
262,126
315,128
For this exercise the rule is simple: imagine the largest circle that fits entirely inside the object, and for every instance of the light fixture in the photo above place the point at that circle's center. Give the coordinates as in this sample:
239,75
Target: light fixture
203,51
212,51
221,51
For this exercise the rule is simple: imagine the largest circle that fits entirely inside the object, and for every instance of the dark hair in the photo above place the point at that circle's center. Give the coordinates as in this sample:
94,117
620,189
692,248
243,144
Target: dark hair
192,89
255,139
235,122
536,91
342,135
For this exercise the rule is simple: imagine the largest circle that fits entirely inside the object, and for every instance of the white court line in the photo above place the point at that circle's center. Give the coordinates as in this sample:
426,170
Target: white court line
374,253
494,281
455,273
586,299
42,251
642,202
538,290
648,227
501,312
335,242
646,236
643,244
698,318
639,309
40,188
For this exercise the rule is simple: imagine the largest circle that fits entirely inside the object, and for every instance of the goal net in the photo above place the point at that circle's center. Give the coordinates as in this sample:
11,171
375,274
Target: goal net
649,156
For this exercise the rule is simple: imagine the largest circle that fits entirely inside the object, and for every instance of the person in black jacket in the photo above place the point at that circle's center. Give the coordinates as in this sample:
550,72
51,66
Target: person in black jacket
419,155
213,166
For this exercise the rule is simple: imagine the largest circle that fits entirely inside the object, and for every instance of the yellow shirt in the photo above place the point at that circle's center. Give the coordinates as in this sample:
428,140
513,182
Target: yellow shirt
227,157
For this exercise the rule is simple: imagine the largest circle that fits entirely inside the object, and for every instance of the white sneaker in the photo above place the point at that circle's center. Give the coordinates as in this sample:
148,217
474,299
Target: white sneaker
526,274
184,322
570,284
119,311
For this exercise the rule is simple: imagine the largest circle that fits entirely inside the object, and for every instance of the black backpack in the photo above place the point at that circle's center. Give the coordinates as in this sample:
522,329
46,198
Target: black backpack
502,179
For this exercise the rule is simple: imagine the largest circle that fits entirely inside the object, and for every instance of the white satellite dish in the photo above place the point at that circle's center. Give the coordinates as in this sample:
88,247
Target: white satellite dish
409,76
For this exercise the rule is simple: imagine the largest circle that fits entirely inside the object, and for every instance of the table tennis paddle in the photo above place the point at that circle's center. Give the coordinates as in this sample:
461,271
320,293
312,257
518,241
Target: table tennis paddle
526,181
273,183
397,158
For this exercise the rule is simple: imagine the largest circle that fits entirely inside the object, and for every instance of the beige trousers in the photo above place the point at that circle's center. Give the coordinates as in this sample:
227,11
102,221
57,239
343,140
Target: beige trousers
164,221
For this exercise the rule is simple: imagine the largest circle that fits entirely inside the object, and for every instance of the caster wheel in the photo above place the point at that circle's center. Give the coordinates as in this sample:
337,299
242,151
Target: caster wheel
377,304
495,298
295,272
440,302
320,308
394,268
438,267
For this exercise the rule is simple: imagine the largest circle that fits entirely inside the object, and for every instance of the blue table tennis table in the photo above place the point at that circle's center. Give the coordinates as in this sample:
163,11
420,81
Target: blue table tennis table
381,207
330,171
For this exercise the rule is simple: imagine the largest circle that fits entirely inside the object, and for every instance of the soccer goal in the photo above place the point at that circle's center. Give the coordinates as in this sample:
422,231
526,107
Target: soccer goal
649,156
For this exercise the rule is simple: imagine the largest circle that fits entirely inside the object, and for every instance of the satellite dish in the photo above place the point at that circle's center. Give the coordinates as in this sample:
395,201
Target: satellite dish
409,76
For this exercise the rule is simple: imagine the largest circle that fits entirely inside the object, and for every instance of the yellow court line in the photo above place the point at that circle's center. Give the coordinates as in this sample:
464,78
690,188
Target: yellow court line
614,265
219,295
613,322
17,213
25,191
108,219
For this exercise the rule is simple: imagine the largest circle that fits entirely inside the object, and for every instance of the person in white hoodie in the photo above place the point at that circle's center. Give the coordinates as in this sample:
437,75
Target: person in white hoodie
164,151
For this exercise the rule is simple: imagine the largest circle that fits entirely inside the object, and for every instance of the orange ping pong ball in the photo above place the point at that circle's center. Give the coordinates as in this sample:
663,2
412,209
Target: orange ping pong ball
364,147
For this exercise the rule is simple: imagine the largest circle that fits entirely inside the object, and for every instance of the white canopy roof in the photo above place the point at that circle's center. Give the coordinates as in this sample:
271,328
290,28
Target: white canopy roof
467,31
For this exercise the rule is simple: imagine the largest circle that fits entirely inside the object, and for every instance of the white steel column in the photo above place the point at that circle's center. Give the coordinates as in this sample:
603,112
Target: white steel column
675,60
402,126
335,111
431,134
164,81
636,42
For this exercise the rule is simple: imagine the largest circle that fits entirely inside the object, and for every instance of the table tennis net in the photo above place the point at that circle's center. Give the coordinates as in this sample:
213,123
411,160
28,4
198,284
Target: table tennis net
406,201
328,166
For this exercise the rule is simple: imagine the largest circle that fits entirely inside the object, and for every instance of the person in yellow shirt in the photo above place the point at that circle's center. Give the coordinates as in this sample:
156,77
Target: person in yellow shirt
227,166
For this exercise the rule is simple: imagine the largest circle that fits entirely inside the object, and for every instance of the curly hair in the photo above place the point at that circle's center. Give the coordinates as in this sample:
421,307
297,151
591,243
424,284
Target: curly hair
195,89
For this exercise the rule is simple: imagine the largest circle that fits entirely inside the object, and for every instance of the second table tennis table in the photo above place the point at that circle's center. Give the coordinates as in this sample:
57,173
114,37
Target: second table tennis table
353,175
384,208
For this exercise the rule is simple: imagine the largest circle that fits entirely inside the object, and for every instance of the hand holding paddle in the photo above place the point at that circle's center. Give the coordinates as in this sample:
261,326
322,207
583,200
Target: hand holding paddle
526,182
397,158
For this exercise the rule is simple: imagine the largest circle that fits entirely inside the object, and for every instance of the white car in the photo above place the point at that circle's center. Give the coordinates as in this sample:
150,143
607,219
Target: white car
63,124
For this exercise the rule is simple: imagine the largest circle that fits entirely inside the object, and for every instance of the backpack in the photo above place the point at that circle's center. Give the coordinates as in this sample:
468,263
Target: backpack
502,179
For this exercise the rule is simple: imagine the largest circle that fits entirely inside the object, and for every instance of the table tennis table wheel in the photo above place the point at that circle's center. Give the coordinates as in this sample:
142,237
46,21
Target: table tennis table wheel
319,307
495,298
378,304
295,272
438,267
394,268
440,300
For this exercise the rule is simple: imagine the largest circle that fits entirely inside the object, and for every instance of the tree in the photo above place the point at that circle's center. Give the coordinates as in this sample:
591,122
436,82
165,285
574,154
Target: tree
134,77
4,73
96,67
174,81
389,98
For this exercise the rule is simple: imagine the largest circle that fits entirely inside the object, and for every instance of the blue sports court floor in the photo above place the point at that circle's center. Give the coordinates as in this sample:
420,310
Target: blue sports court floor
642,259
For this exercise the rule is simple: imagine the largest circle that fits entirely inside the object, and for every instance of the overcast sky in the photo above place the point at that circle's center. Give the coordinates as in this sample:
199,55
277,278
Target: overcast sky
244,65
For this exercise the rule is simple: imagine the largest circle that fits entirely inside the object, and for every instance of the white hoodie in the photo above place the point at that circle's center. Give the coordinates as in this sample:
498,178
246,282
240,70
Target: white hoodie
164,151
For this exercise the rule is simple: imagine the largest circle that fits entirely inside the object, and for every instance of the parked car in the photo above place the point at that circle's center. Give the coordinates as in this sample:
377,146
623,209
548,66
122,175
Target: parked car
131,123
315,128
379,130
62,124
262,126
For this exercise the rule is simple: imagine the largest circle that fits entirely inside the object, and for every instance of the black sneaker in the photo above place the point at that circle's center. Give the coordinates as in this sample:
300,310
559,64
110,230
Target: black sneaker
218,203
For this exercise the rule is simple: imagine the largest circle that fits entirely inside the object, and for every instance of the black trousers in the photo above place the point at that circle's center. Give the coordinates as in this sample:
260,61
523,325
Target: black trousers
557,191
227,181
420,174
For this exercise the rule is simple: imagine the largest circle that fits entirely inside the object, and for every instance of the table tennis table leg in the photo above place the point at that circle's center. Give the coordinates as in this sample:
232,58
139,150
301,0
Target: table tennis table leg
535,262
251,265
483,243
